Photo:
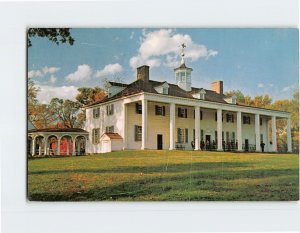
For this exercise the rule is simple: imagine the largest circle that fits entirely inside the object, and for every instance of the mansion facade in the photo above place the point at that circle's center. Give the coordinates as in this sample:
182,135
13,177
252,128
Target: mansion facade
148,114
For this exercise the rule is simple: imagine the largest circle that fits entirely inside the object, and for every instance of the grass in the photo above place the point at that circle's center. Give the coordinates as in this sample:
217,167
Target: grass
165,176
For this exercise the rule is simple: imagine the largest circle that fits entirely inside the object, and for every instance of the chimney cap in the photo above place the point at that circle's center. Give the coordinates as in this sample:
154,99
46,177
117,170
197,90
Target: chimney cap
143,66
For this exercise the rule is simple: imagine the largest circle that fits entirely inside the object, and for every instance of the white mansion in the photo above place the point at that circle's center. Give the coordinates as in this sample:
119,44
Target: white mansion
147,114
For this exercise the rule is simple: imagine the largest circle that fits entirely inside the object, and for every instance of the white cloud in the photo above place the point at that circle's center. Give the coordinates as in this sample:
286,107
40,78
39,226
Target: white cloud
131,35
289,88
260,85
46,93
52,79
50,70
34,73
42,72
164,44
109,69
83,72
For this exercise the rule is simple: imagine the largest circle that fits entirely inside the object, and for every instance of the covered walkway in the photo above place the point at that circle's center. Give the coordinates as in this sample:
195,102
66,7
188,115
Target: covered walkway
56,141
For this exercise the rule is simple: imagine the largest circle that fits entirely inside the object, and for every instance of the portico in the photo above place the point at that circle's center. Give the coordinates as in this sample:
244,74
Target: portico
243,128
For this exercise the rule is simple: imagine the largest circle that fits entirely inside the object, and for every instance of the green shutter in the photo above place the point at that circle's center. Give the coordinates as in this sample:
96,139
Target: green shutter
186,135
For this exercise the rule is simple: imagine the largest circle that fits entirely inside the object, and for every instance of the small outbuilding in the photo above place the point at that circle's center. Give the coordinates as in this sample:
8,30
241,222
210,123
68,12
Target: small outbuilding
111,142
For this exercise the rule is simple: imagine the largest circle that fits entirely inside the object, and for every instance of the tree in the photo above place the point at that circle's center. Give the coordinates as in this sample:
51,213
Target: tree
239,95
66,112
42,116
89,95
56,35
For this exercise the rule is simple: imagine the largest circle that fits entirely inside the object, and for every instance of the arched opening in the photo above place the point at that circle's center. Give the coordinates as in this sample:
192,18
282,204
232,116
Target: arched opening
66,145
39,145
53,145
80,143
29,145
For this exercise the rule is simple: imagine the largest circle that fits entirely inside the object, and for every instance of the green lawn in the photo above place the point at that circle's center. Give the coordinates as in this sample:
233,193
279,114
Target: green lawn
165,175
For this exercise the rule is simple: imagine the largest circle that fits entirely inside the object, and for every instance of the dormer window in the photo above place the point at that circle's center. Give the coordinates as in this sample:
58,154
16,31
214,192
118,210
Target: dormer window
165,90
162,88
231,99
200,94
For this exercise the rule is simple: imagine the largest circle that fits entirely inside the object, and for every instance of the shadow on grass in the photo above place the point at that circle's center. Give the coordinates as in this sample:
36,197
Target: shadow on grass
191,185
180,167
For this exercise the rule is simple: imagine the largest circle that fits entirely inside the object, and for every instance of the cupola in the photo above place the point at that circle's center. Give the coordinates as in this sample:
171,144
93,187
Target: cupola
183,73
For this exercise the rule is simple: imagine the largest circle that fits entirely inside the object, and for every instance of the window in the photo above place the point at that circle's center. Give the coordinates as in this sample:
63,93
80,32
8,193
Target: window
201,115
138,108
96,112
227,136
95,135
260,121
182,112
233,136
160,110
182,135
165,90
261,137
110,109
216,136
216,116
229,118
109,129
202,135
246,120
137,133
223,139
202,96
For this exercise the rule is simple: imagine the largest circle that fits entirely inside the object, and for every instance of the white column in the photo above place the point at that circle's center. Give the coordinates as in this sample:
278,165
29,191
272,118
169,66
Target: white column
73,144
274,139
78,148
124,127
58,146
239,131
219,129
197,127
46,146
40,146
289,134
267,137
257,133
33,146
172,126
68,147
144,124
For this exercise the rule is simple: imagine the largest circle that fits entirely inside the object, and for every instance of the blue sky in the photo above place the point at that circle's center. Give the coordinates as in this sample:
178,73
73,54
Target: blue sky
255,61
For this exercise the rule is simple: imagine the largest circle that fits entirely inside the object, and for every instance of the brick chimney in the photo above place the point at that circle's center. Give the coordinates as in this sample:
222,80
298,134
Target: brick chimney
143,73
217,86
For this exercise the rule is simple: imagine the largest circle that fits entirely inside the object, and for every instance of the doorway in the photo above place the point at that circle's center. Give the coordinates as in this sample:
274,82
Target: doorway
246,145
207,142
159,141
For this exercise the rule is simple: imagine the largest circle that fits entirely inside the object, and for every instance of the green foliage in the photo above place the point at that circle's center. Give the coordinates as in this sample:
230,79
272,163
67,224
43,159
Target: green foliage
165,175
66,111
239,95
56,35
89,95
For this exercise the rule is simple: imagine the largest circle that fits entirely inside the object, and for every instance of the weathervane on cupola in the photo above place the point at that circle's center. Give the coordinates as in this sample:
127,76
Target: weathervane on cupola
183,46
183,73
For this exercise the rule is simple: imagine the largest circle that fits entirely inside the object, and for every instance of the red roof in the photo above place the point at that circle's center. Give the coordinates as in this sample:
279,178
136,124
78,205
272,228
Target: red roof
113,135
